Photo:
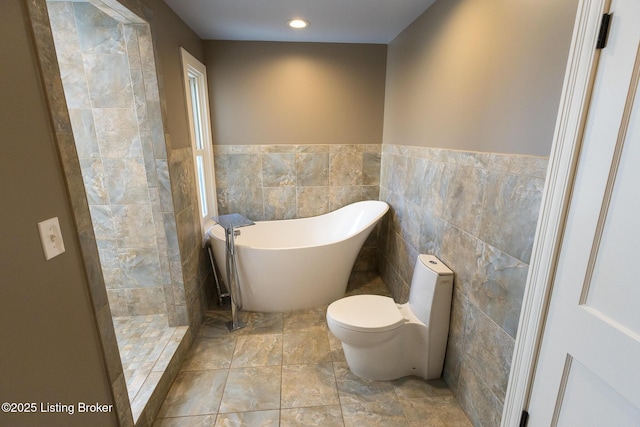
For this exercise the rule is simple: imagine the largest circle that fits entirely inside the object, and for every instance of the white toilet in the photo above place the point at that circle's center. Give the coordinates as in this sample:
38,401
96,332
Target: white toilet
383,340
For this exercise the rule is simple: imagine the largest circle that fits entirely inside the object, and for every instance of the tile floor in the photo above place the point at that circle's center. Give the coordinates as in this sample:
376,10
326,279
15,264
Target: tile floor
287,369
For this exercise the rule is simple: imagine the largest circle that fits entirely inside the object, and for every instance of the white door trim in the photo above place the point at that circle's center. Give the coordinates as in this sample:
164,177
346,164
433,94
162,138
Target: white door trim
574,103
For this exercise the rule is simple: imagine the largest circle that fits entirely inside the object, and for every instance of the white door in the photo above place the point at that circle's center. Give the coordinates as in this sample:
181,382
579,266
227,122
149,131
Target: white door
588,371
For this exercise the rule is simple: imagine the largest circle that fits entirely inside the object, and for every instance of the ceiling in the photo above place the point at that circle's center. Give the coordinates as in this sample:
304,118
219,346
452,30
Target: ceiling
336,21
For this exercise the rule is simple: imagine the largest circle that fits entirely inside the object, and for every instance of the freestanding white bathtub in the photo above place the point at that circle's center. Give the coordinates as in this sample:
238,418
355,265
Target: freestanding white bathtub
301,263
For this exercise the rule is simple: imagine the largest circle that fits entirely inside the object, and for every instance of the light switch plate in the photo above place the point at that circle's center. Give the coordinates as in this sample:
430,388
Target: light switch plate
51,238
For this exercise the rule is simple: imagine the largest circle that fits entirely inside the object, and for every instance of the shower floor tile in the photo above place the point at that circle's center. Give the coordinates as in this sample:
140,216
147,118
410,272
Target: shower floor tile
141,341
287,369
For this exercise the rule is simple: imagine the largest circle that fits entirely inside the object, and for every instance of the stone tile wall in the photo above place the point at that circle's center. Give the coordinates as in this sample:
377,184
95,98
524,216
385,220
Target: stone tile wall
477,212
270,182
187,252
109,77
267,182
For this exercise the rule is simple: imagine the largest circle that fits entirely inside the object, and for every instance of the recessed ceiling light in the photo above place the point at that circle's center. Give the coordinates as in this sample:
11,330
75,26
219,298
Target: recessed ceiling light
298,23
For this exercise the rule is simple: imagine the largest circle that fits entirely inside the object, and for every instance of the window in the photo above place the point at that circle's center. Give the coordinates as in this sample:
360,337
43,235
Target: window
195,82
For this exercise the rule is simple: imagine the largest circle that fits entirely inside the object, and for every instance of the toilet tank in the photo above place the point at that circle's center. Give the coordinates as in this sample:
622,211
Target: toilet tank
431,288
430,301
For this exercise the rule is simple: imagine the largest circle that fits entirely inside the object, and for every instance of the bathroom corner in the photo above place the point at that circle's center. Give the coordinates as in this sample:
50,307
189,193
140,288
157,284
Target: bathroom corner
467,135
468,205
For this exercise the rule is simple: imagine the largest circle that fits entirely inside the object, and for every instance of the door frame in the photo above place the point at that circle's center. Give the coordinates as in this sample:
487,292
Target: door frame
563,160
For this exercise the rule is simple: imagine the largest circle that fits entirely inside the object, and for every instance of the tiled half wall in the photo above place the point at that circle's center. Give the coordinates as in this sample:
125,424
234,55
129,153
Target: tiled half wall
477,212
267,182
270,182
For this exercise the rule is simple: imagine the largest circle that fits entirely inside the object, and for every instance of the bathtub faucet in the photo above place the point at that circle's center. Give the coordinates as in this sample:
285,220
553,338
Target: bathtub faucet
231,223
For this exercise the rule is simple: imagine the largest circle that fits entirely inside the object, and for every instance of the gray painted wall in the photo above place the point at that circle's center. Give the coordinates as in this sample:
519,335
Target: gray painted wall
481,75
295,93
50,346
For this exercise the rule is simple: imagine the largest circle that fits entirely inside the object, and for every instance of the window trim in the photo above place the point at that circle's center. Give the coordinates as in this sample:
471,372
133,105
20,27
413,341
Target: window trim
192,68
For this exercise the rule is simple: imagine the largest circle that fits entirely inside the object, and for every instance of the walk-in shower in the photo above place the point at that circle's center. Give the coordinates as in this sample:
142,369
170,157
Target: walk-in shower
108,72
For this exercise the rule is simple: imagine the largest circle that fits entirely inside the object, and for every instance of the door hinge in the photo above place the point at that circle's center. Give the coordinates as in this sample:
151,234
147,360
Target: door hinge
604,31
524,419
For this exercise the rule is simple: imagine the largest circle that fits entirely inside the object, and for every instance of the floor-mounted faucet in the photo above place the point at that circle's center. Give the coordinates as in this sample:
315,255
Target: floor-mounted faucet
230,223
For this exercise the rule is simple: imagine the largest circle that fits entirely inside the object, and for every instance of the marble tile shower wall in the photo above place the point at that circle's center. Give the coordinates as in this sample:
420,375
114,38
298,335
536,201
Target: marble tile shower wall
108,74
477,212
271,182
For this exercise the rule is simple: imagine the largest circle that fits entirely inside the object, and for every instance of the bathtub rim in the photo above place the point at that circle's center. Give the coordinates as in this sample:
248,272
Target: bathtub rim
374,221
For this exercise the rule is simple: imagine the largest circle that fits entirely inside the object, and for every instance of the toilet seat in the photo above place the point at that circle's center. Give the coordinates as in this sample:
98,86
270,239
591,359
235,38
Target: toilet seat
366,313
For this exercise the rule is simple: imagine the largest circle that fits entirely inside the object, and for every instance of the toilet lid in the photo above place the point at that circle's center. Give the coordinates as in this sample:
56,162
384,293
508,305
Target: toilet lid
366,313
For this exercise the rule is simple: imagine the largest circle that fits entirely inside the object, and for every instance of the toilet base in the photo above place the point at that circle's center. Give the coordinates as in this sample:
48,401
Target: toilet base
405,354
